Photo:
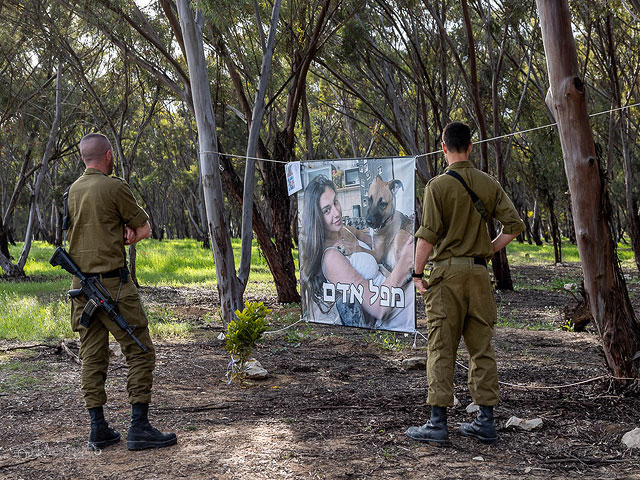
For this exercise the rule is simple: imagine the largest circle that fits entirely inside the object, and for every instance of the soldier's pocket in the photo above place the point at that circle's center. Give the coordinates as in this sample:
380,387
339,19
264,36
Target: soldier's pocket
436,334
130,305
77,306
435,277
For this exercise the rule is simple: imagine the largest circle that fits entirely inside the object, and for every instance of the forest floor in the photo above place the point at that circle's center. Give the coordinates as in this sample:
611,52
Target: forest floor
336,405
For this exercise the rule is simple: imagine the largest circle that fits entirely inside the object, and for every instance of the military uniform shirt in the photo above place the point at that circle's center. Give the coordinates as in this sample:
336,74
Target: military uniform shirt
99,208
451,223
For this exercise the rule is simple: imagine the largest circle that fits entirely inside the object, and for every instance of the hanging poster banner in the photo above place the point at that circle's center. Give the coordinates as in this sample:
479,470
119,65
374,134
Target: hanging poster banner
294,182
356,244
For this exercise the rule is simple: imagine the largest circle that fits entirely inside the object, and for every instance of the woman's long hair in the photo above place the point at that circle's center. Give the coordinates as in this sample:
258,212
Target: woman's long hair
312,240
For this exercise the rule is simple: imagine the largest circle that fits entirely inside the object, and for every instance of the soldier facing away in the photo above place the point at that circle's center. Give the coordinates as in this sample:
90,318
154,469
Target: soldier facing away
458,295
103,218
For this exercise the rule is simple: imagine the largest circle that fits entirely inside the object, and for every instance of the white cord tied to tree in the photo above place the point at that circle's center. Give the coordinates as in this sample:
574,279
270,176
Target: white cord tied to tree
507,135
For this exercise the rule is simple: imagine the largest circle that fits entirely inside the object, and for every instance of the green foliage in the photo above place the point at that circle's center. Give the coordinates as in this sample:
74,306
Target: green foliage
164,324
511,322
296,335
19,375
170,262
243,334
559,283
386,340
29,317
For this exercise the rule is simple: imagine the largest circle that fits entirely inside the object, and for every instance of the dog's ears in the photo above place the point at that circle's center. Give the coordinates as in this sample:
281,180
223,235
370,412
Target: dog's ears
395,185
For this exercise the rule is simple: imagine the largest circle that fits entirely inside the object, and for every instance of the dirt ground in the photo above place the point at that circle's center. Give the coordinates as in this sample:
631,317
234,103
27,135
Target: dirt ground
336,405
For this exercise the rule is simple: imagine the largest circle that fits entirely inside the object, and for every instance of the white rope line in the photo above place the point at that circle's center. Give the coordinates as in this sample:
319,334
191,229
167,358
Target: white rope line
535,387
242,156
507,135
285,328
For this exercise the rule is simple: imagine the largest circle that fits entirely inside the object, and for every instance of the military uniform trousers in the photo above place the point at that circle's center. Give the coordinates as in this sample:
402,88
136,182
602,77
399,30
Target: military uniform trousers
94,345
459,303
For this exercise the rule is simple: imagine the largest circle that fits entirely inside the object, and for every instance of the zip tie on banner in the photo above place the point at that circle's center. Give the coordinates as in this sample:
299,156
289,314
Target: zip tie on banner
507,135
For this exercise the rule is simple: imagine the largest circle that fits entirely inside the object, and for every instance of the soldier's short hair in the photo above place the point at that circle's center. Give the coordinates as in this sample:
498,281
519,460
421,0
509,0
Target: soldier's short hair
456,136
93,146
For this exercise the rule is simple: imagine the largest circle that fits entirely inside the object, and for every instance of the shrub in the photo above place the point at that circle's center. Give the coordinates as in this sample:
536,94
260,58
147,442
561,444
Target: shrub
243,334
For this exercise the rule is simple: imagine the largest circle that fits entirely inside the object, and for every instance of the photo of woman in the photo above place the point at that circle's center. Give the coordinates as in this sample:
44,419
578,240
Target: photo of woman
343,278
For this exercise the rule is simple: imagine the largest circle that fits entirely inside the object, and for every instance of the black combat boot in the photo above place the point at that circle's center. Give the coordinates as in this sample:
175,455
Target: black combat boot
101,435
483,426
435,431
142,435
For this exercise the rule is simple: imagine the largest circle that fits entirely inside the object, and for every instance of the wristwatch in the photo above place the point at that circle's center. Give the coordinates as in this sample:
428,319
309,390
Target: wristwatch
416,275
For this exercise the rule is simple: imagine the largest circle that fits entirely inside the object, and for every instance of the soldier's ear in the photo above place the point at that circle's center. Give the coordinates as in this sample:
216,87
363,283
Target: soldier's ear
395,185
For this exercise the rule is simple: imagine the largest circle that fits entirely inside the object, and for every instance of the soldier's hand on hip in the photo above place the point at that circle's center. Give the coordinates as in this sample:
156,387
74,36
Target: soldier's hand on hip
421,285
129,235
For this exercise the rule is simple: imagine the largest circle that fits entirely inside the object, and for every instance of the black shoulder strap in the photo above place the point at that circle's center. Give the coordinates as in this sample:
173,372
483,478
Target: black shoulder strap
65,199
474,198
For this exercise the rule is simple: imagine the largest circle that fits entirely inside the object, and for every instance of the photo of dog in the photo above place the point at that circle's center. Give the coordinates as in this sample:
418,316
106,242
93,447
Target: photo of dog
391,228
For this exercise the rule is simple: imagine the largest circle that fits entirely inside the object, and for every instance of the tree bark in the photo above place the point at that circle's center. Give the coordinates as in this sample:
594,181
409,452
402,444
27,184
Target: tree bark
535,230
252,147
228,285
604,284
499,262
43,170
632,214
555,231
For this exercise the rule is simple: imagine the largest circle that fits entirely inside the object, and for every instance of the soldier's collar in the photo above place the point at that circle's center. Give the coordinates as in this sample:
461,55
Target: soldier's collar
463,164
93,171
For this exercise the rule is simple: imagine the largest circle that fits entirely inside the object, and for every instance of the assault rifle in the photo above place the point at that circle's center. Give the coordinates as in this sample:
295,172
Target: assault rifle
96,294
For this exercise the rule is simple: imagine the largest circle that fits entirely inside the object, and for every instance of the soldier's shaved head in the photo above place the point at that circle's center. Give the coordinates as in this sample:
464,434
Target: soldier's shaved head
93,147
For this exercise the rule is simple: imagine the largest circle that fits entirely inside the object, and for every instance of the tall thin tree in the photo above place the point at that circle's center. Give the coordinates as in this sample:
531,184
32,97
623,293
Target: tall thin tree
604,284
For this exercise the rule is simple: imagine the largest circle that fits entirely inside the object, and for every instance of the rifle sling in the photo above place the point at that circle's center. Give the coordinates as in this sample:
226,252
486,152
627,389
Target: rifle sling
477,203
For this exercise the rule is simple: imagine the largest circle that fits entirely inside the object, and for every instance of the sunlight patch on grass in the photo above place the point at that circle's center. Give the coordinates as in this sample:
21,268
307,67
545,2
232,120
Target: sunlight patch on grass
525,254
163,324
170,262
31,318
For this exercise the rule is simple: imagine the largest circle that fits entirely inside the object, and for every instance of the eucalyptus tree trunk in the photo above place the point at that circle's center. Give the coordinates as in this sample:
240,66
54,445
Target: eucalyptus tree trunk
499,263
633,220
4,243
53,134
535,229
604,284
229,288
252,146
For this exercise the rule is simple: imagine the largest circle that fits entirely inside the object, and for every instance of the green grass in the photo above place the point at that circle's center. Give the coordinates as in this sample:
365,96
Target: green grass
184,262
175,263
525,254
164,324
39,310
509,322
19,375
31,317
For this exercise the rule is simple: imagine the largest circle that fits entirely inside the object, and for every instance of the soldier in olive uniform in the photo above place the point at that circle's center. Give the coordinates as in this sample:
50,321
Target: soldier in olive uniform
103,218
458,295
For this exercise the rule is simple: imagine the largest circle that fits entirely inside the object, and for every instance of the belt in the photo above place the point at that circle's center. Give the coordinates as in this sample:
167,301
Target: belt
111,274
461,261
